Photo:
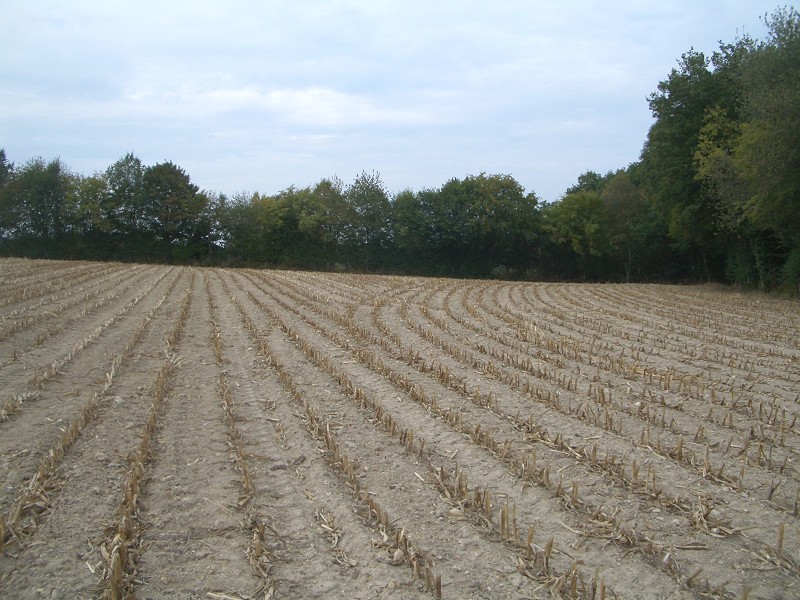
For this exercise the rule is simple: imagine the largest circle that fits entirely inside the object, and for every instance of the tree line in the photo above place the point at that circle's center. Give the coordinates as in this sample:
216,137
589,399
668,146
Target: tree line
715,195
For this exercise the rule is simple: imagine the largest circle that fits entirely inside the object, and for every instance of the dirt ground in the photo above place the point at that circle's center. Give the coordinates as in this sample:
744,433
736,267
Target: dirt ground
177,432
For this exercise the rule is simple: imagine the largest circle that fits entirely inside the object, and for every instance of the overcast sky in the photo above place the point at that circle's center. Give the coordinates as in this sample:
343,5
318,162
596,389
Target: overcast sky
261,95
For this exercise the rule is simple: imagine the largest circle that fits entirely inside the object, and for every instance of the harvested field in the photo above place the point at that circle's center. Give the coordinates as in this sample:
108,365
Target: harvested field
176,432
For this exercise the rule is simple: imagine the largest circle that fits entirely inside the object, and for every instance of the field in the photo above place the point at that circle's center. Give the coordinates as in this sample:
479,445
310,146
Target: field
176,432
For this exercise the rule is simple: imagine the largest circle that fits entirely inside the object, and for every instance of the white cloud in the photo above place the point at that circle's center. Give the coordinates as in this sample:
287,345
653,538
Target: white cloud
309,107
421,91
319,106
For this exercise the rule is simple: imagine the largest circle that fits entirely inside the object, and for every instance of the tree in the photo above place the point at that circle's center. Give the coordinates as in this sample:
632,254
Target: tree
292,227
34,201
123,207
481,225
89,196
590,181
501,220
240,231
336,215
173,210
715,166
409,232
747,158
6,169
310,243
369,202
629,222
7,213
447,211
768,150
579,220
668,158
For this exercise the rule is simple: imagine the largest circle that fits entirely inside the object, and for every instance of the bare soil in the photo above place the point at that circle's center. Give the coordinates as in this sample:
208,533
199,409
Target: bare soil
173,432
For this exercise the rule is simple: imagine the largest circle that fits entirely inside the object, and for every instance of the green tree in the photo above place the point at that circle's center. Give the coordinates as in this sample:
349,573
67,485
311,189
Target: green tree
715,165
680,106
579,220
768,151
371,210
335,214
241,232
447,211
6,169
273,213
87,232
7,212
722,181
291,223
747,158
123,208
310,243
214,215
34,201
501,221
173,210
630,224
482,225
590,181
86,202
410,233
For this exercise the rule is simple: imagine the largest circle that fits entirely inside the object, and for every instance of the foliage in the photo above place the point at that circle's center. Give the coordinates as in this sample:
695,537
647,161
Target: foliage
123,208
6,169
722,160
715,195
767,153
631,225
34,200
578,220
679,107
368,230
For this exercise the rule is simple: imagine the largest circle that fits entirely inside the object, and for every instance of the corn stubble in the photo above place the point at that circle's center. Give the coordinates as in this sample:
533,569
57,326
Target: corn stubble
612,372
394,541
123,543
33,499
648,484
478,498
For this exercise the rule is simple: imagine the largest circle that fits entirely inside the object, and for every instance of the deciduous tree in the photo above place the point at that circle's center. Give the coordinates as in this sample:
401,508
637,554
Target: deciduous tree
173,208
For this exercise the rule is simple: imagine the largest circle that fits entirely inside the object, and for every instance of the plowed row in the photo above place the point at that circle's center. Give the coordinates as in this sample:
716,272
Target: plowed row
216,433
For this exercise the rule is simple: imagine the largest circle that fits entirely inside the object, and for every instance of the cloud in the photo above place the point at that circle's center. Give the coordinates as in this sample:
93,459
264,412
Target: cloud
421,91
307,108
312,107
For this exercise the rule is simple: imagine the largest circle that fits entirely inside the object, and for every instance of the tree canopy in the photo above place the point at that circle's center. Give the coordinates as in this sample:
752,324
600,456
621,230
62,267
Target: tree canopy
715,195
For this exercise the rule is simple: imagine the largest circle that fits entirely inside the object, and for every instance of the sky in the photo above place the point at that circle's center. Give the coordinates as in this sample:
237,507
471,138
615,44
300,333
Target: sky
258,96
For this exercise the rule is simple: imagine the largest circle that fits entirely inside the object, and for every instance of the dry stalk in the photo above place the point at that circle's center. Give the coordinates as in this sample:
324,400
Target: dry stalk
260,552
394,539
321,430
444,375
34,495
118,579
480,499
38,381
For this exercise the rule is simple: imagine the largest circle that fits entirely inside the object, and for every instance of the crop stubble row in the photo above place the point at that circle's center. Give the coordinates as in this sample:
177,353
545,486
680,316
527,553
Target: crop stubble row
384,436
